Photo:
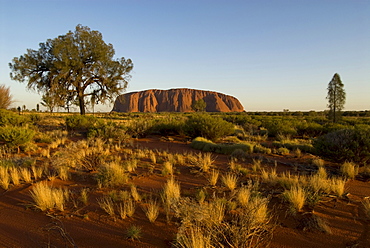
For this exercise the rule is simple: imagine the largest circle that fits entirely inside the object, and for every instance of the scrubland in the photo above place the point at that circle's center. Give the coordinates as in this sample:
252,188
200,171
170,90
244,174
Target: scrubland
186,179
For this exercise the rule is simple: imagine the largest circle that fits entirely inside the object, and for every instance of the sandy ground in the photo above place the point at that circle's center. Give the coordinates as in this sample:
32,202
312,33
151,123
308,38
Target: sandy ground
21,225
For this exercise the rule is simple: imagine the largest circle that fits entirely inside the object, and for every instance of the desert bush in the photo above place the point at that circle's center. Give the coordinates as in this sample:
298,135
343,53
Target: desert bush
80,122
169,125
261,149
280,127
106,203
207,126
203,144
107,130
8,118
282,151
15,136
140,128
345,145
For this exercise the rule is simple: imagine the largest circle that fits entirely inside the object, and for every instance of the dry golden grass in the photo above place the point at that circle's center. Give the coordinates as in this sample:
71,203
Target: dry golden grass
296,196
135,194
167,168
107,204
63,172
4,178
151,210
25,174
46,197
37,172
366,204
14,175
193,236
243,196
337,186
230,180
349,170
205,161
213,177
269,177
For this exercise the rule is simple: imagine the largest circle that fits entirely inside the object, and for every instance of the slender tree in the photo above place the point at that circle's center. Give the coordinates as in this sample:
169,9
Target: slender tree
78,64
6,99
336,97
199,105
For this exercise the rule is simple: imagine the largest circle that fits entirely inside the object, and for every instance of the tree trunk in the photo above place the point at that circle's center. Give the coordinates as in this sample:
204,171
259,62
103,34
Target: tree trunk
81,101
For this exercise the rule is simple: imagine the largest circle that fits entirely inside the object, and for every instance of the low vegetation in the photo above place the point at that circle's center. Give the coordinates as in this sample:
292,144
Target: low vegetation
211,202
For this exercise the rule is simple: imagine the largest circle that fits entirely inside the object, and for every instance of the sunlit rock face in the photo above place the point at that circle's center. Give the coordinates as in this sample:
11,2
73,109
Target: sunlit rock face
175,100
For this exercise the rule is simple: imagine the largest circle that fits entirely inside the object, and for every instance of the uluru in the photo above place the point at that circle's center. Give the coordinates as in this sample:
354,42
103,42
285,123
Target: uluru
175,100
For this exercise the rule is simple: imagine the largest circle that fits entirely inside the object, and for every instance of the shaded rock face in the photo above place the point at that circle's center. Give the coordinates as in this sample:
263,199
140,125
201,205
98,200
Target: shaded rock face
175,100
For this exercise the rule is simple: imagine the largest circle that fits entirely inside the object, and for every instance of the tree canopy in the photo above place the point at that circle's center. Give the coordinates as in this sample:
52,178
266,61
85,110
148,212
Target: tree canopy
76,67
199,106
336,97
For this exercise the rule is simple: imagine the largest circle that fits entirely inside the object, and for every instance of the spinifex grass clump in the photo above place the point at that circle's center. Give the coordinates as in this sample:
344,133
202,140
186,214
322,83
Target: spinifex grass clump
349,170
47,197
230,181
213,177
151,210
296,197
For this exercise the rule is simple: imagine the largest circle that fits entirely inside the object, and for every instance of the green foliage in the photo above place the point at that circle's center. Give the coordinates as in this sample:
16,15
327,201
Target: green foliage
12,119
167,126
199,105
336,98
76,67
15,136
209,127
107,130
345,145
140,128
277,127
81,123
205,145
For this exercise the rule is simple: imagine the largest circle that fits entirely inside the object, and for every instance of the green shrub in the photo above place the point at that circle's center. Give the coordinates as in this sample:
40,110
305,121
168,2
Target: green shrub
280,127
205,145
167,126
106,131
209,127
345,145
15,136
261,149
140,128
12,119
81,122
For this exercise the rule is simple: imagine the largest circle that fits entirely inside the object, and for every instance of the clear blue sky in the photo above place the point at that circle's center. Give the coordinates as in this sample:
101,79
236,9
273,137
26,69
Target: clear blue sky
271,55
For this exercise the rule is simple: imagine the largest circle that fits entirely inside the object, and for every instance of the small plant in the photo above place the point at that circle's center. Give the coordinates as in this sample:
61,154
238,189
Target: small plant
4,178
213,177
318,162
37,171
338,186
230,180
25,174
133,232
135,194
205,161
106,203
243,196
256,165
84,196
62,172
296,196
349,170
151,211
129,206
14,175
167,168
366,204
153,157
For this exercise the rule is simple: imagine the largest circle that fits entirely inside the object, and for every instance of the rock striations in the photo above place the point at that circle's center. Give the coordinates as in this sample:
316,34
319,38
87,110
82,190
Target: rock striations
175,100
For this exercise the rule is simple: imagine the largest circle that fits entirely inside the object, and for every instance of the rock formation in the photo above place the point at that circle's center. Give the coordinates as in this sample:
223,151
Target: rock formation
175,100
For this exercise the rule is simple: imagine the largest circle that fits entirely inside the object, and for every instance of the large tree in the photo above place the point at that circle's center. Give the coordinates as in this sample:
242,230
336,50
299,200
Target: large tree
78,64
6,99
336,97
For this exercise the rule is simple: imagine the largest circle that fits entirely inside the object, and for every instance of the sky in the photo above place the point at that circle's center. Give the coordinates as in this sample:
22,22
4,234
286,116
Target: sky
271,55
